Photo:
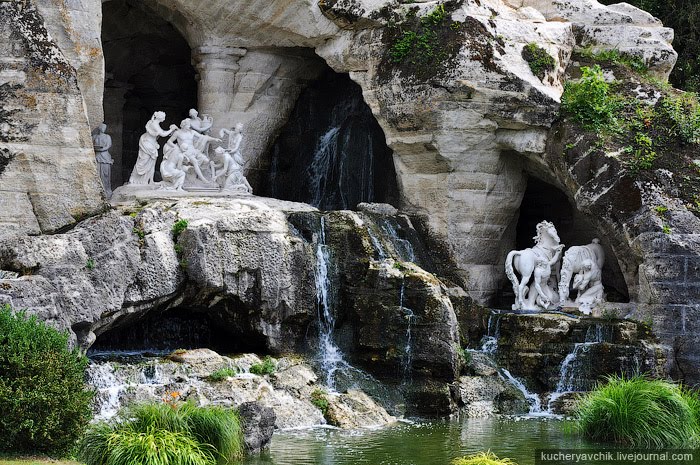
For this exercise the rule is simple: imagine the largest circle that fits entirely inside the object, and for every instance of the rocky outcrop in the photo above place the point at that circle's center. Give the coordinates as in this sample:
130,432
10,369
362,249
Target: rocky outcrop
47,167
241,276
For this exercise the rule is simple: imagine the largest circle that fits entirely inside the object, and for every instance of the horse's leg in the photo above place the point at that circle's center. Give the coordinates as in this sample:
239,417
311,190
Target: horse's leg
527,267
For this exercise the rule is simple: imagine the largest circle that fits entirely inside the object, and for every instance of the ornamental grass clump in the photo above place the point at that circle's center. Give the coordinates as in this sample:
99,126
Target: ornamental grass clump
167,433
640,412
483,458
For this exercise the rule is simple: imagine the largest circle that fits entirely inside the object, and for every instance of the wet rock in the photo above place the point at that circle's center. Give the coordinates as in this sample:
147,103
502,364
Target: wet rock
485,396
258,425
355,409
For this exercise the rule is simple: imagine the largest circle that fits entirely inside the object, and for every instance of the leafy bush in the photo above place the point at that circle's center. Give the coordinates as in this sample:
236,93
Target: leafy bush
267,367
483,458
200,435
589,101
319,398
539,60
640,412
45,405
643,153
222,373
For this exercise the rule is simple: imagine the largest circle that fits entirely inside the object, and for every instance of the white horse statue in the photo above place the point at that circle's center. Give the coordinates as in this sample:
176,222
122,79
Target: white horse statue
542,260
575,261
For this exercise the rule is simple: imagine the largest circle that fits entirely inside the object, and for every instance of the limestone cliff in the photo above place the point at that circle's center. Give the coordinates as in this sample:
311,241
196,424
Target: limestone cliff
467,116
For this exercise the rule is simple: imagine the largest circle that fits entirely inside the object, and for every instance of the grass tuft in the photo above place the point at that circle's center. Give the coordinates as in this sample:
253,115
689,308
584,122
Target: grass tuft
640,412
483,458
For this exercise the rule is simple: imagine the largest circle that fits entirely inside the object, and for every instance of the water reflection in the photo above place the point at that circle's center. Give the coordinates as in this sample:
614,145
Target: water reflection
427,443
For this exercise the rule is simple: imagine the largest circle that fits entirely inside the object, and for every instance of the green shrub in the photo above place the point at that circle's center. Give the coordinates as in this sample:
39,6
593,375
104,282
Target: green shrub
619,58
482,458
267,367
213,434
539,60
319,398
222,373
643,153
589,101
639,412
44,402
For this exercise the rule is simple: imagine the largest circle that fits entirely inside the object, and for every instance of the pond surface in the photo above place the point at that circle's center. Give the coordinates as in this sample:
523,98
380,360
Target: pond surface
423,443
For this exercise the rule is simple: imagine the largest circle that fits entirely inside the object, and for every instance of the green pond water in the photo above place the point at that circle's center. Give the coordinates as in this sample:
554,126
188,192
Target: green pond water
422,443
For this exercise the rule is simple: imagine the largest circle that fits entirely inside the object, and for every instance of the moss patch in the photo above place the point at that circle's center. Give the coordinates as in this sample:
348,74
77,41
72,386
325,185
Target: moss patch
539,60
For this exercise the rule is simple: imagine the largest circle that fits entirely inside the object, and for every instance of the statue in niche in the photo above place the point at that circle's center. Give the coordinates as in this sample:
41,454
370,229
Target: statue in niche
185,135
542,261
172,170
102,143
148,150
229,171
573,263
589,284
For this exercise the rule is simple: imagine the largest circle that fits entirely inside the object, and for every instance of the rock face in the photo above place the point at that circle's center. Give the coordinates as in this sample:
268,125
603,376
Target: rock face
258,425
47,167
467,127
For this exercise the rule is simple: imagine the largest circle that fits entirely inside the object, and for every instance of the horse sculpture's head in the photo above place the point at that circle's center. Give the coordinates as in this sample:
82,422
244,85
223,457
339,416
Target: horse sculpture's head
546,228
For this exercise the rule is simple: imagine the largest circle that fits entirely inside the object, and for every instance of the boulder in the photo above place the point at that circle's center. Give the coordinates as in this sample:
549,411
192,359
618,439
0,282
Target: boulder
258,425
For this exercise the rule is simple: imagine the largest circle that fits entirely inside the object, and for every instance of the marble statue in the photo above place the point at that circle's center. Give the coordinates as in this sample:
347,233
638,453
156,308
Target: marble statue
589,284
172,170
202,126
235,137
229,170
540,261
148,150
573,263
195,157
102,143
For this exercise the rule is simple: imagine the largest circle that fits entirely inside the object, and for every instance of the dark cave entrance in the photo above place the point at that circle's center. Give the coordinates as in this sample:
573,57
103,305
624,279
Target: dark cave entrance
147,69
544,201
216,328
332,153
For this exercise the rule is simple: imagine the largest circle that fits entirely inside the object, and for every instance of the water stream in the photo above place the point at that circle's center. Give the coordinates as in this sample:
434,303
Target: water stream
407,362
330,356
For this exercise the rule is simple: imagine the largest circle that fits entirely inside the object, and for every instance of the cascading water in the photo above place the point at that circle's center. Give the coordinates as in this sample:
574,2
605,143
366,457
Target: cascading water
408,349
332,153
490,341
532,399
403,247
572,365
331,358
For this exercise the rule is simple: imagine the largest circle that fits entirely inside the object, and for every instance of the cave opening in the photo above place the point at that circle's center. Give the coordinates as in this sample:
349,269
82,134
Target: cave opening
147,68
544,201
332,153
160,331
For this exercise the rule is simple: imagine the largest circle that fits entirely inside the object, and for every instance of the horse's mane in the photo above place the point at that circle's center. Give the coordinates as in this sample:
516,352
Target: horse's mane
541,227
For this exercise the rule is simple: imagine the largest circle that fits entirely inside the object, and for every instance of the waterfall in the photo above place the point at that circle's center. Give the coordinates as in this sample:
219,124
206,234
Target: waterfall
408,354
322,164
330,356
493,328
532,398
573,363
381,253
403,248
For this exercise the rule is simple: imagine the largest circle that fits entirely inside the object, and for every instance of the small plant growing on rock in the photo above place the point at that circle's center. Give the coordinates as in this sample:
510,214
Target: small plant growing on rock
90,263
539,60
222,373
178,228
319,398
267,367
589,100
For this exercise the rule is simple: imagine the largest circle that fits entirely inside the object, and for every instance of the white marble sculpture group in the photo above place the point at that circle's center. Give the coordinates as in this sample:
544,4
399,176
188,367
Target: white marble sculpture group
545,283
187,162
